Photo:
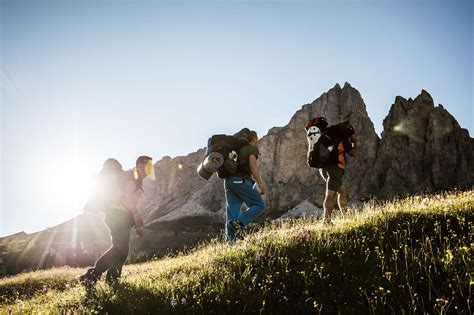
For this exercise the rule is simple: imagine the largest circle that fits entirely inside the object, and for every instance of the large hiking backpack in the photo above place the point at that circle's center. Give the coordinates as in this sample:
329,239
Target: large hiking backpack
107,192
222,154
323,142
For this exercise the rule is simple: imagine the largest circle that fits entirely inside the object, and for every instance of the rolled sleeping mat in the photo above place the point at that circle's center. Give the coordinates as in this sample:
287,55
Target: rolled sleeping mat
210,165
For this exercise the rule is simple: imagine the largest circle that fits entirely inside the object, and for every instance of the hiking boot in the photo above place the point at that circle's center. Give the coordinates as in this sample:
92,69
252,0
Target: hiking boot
236,225
89,278
112,276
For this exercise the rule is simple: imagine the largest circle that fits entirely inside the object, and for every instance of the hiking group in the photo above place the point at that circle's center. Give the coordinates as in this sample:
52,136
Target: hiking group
234,159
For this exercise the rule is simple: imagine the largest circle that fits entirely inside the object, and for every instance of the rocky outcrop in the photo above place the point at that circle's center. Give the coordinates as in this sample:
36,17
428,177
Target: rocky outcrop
284,150
282,163
422,148
177,190
305,209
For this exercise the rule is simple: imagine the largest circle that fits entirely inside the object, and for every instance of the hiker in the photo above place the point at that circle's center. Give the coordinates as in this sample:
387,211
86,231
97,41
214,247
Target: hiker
121,214
107,189
240,188
333,172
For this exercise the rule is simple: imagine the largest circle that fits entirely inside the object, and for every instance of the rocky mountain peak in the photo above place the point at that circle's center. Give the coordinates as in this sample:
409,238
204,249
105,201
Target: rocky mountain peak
422,148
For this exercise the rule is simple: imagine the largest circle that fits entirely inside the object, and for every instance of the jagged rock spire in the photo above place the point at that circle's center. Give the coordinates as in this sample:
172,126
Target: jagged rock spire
422,147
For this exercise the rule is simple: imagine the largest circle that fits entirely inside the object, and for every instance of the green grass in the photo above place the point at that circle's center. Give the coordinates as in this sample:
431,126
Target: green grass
408,256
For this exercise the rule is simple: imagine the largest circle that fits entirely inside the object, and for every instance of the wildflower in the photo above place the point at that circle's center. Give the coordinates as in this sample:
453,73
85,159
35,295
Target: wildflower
183,301
449,256
381,289
174,303
217,299
315,304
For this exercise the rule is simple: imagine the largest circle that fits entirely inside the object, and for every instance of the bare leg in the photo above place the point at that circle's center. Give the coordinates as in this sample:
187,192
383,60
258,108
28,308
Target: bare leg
342,199
328,205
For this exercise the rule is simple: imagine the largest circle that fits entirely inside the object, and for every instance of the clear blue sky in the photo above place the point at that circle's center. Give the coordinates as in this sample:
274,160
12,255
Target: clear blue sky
82,81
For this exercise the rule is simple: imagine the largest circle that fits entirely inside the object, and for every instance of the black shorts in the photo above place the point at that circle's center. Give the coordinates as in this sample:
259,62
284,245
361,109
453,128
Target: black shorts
333,177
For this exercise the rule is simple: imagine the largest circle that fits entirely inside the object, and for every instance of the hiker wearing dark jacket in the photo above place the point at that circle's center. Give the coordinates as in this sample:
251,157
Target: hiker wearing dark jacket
120,216
240,189
333,174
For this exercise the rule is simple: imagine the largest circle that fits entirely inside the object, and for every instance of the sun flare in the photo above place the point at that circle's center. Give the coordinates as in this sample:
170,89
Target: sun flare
66,187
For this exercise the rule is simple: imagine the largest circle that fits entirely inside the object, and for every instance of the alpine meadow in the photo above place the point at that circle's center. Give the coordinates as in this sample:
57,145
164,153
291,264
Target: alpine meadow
236,157
412,255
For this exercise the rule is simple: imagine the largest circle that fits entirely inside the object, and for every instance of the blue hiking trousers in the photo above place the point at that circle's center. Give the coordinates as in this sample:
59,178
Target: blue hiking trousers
239,190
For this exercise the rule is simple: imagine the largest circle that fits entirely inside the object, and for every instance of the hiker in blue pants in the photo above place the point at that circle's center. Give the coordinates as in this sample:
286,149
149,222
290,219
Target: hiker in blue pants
240,189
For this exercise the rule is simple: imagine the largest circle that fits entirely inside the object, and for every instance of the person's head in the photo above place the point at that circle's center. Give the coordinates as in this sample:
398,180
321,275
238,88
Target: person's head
111,166
320,122
144,165
253,137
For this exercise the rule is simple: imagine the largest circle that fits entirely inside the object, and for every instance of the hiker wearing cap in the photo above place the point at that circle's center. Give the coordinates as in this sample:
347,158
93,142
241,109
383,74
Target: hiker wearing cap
241,188
121,215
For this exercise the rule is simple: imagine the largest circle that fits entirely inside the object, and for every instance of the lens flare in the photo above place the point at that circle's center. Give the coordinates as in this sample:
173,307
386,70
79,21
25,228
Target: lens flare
398,128
409,128
150,170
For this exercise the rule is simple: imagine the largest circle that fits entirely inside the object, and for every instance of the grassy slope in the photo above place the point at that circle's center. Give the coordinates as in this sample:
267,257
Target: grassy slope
414,254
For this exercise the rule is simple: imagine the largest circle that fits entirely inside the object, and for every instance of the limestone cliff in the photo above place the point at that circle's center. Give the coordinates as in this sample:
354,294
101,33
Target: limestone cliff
422,148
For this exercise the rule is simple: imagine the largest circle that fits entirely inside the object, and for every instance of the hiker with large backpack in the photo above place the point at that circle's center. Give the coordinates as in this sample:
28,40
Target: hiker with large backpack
234,158
107,190
117,195
327,147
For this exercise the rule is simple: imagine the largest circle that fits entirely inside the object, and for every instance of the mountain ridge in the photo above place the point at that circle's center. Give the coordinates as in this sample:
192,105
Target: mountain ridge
337,105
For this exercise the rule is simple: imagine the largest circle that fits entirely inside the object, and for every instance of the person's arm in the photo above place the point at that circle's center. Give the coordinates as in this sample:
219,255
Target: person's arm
354,141
130,201
256,173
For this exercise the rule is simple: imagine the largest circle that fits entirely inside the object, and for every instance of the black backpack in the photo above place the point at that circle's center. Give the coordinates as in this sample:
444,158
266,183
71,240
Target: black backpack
324,151
229,147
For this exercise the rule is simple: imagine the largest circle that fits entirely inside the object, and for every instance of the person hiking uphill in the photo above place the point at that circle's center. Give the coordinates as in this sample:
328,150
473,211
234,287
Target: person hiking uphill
121,215
240,188
333,173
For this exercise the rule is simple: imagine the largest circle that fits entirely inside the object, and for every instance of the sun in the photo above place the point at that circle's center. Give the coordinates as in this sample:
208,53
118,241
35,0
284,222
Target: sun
65,186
